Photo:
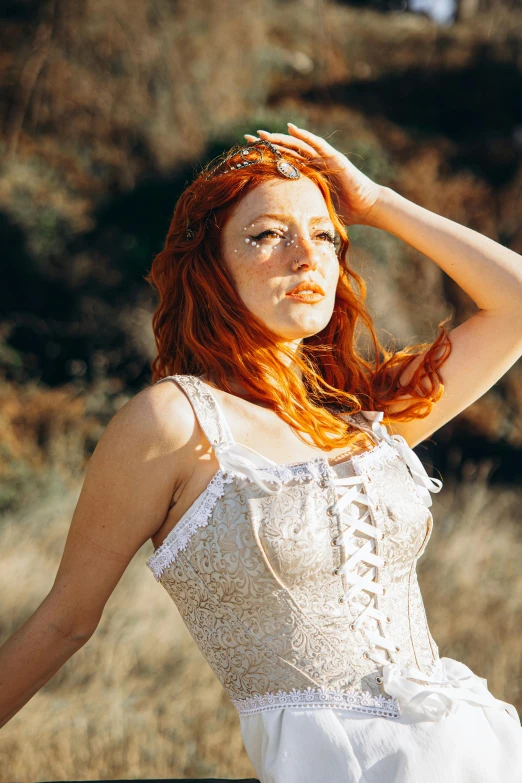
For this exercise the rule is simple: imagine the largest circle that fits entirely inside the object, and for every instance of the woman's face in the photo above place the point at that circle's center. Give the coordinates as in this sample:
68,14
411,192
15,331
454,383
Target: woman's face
279,235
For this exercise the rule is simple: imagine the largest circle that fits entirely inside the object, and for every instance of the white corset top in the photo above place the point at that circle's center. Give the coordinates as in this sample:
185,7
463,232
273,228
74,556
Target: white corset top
298,582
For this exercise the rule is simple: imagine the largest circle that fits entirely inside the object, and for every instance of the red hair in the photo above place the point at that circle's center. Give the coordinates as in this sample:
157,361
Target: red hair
201,325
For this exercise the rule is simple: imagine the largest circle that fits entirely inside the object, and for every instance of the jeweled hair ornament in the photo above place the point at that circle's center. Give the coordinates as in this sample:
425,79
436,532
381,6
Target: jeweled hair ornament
190,232
254,153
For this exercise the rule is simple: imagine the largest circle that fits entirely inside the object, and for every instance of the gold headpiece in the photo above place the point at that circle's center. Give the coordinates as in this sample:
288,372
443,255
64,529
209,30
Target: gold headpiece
238,160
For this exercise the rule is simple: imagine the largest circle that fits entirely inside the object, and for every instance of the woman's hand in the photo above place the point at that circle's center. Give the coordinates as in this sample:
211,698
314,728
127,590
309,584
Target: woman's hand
355,193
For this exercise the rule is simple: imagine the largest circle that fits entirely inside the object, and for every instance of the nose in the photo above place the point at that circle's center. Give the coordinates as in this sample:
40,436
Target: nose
304,252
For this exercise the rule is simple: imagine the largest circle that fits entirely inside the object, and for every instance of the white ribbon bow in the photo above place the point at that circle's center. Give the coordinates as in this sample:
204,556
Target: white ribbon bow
421,478
233,456
434,702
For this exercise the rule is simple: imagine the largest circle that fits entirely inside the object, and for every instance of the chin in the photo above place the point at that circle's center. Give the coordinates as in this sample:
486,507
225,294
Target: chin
298,331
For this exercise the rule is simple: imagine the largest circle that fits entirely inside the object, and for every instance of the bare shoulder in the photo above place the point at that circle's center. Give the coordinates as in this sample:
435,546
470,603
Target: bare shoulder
160,414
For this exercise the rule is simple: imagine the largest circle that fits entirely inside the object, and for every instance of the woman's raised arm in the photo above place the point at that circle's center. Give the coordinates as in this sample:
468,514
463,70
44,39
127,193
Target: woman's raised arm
127,489
487,344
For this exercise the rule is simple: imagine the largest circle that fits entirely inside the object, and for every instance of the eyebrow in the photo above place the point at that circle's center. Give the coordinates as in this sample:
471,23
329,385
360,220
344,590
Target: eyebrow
288,218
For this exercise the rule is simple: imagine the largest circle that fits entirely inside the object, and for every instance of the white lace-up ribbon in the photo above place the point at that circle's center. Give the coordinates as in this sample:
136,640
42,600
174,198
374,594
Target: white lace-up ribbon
431,701
425,484
361,553
240,459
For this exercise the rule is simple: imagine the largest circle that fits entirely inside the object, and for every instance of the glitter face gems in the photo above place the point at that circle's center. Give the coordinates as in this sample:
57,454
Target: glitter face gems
271,240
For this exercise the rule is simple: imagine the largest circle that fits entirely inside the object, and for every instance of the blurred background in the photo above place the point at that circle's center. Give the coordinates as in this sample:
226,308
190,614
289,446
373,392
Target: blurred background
108,108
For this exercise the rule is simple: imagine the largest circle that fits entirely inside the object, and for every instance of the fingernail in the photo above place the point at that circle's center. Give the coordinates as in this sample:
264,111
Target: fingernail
261,131
291,124
251,136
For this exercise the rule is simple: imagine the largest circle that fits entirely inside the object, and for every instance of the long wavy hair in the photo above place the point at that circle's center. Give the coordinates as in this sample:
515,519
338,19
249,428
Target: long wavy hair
201,324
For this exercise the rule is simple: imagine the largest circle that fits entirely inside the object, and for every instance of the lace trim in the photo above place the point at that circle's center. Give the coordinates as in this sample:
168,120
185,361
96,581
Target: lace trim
319,468
314,470
379,454
348,699
181,534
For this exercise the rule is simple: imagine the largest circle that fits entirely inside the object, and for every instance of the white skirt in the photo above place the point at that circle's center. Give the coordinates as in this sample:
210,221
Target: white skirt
473,744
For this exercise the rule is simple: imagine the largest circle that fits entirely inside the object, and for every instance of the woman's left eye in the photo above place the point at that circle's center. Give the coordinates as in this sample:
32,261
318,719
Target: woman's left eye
329,236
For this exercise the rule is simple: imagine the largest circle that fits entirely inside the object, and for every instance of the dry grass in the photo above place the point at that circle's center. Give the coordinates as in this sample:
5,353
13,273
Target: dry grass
139,701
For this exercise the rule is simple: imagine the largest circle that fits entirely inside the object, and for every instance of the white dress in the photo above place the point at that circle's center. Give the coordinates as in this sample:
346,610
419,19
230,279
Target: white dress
298,584
471,745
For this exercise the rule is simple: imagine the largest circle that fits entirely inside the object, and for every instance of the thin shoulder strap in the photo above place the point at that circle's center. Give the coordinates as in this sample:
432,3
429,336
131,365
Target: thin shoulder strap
208,412
364,423
360,421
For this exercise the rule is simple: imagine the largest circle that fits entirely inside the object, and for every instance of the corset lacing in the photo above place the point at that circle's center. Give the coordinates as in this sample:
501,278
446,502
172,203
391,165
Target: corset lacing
361,553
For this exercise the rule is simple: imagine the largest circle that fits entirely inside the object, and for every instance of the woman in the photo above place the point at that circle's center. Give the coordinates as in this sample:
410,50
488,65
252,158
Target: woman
286,519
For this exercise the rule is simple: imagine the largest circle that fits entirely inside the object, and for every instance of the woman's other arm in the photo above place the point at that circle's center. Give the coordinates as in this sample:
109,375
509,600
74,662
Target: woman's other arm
128,486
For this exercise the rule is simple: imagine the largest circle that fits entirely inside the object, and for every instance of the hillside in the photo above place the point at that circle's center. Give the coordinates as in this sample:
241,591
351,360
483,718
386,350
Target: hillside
108,110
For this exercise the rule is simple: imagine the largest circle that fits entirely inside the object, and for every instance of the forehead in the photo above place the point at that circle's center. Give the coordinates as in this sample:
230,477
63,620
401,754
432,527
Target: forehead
299,198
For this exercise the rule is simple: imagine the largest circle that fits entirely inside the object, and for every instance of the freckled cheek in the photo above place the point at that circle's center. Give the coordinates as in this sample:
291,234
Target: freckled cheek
254,279
253,262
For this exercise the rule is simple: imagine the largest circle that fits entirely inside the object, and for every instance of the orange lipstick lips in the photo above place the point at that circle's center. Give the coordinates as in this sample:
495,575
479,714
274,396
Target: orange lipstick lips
307,291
